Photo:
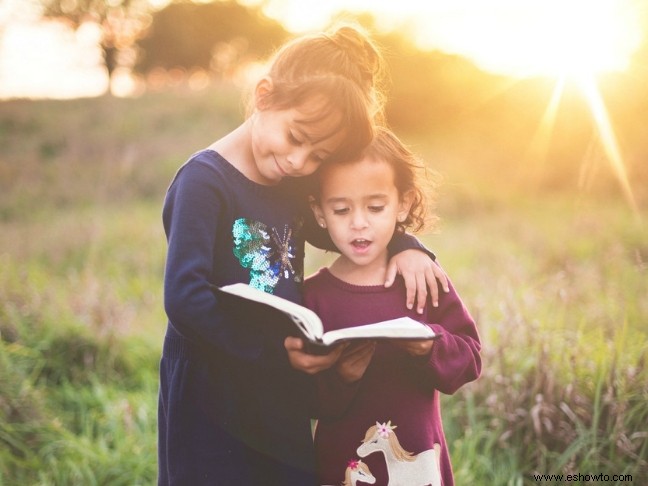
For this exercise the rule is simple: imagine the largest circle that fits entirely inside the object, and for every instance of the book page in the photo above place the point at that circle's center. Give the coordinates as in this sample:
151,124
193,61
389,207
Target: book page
401,328
308,322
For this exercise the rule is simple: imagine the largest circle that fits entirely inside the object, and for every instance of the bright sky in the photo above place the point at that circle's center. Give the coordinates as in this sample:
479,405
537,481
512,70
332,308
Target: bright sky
49,60
518,37
43,60
521,37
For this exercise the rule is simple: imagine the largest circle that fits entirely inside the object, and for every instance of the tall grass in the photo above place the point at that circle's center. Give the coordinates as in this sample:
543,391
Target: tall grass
77,369
559,290
557,283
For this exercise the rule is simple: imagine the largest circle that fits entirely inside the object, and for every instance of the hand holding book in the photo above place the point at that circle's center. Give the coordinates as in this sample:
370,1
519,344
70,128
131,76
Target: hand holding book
310,326
354,360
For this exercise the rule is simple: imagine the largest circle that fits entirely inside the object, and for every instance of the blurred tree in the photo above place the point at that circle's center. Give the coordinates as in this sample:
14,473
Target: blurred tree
121,22
430,88
214,36
427,89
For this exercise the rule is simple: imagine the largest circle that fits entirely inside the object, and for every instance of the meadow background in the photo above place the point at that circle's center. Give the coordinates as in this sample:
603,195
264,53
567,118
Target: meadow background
546,252
557,282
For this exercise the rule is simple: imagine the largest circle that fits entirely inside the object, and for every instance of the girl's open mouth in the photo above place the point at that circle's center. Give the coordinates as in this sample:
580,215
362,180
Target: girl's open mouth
360,244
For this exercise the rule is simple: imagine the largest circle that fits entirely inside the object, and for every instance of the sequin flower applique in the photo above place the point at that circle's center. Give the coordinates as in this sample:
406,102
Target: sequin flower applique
267,252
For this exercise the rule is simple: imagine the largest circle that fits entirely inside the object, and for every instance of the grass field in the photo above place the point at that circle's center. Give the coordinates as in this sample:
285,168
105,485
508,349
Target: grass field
557,281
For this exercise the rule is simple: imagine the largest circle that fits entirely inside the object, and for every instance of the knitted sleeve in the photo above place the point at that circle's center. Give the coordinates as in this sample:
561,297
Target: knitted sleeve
192,208
455,357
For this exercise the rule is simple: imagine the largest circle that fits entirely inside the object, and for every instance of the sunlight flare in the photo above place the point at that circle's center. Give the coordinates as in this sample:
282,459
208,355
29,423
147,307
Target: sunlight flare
552,37
542,138
607,138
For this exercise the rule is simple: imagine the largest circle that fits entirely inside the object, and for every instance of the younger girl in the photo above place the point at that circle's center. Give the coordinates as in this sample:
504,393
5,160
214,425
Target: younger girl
393,423
232,407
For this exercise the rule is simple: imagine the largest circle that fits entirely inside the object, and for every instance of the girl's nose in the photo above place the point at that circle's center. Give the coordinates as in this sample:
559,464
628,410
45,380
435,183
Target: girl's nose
358,220
297,159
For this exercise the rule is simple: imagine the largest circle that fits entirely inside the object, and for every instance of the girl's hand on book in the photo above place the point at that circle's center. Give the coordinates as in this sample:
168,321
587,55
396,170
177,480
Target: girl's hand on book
419,272
310,363
354,360
415,347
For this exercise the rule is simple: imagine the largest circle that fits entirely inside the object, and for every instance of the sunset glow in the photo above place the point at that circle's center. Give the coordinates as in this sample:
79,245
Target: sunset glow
514,37
568,40
48,60
552,37
573,38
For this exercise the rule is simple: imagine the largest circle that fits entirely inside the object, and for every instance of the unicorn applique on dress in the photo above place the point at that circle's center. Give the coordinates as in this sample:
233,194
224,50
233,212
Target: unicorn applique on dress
357,472
404,468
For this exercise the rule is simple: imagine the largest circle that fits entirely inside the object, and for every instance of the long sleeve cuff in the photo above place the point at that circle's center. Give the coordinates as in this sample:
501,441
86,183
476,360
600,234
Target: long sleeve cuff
404,241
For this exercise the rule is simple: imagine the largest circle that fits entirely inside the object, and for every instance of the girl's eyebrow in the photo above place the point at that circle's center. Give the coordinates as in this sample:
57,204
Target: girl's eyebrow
344,199
380,196
337,199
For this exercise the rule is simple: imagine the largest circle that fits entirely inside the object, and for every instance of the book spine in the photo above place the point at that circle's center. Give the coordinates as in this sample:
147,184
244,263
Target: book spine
316,348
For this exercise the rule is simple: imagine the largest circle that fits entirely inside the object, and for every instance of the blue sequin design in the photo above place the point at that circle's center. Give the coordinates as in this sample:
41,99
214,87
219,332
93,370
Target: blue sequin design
268,253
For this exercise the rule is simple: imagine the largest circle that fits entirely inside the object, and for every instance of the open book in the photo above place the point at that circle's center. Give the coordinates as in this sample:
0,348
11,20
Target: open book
310,326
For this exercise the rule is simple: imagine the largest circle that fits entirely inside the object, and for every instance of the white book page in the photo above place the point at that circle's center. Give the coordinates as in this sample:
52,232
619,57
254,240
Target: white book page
401,328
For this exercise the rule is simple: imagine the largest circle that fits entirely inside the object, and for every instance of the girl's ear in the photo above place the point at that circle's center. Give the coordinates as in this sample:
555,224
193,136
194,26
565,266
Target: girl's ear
317,212
404,206
263,88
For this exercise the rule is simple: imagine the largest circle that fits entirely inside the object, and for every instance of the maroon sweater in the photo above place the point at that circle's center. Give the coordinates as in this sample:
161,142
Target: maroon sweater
396,403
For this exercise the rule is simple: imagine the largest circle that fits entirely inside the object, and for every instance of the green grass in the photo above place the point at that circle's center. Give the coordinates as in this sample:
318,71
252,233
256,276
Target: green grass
557,282
559,291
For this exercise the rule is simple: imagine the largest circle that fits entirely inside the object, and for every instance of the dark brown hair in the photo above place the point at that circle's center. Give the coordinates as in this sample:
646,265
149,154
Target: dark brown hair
410,175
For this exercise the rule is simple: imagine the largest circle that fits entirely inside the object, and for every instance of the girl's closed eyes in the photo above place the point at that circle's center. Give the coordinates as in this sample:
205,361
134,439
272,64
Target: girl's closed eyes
293,139
297,139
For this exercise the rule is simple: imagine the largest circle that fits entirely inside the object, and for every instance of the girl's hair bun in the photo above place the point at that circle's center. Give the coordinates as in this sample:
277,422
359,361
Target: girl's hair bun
342,67
361,52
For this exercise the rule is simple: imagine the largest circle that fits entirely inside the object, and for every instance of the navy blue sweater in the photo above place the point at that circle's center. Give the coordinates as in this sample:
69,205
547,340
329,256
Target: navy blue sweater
232,410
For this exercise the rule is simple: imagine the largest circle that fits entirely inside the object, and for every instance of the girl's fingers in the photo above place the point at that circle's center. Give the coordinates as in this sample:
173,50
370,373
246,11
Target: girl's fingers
410,289
431,280
392,271
441,276
309,363
421,292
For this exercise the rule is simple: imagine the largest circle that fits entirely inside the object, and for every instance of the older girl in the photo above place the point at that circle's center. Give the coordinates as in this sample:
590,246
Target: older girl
232,409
